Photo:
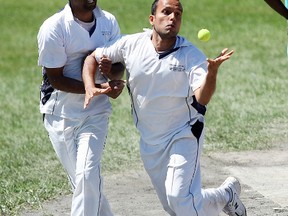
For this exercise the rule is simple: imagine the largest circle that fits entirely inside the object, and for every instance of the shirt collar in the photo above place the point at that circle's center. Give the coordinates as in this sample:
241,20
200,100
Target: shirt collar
69,15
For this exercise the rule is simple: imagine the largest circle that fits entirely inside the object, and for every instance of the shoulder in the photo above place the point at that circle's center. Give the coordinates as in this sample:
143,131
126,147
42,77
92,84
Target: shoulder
191,51
58,23
140,36
188,46
56,20
106,20
136,38
99,13
127,41
52,20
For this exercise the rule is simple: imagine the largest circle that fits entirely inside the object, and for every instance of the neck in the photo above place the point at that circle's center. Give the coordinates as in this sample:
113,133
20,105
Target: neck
82,13
162,44
84,17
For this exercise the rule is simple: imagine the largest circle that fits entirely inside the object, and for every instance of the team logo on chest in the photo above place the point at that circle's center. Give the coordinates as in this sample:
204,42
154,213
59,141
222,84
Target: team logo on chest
174,67
106,33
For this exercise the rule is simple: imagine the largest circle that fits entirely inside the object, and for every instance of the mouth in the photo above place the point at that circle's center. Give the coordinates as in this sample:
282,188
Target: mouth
170,26
91,1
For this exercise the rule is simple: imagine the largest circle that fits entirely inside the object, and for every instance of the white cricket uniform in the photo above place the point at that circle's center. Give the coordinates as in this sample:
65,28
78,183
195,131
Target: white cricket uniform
170,121
78,135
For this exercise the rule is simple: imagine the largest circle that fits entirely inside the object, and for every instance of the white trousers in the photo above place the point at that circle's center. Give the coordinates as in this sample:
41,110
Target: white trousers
174,169
79,145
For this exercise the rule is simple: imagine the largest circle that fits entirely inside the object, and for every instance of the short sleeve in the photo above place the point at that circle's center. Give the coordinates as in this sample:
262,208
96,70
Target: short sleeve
51,47
113,49
115,30
198,75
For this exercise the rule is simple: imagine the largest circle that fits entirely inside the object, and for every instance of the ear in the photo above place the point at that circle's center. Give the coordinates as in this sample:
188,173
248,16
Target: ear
151,19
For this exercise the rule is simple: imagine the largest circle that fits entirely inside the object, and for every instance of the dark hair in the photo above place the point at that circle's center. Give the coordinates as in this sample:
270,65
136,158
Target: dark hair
154,7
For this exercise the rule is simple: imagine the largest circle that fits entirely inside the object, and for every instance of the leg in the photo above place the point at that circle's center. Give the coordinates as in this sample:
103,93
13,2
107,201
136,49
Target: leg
171,167
155,160
88,198
61,136
174,170
79,146
183,184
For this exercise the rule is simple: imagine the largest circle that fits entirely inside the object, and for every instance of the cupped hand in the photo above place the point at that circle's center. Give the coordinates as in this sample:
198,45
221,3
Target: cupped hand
92,92
214,64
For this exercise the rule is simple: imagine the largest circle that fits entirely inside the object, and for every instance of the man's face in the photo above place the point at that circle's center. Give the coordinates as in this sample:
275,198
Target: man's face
167,19
83,5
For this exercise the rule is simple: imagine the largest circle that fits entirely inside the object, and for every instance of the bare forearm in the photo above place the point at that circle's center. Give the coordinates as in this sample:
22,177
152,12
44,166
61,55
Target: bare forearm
67,84
59,81
89,70
71,85
207,89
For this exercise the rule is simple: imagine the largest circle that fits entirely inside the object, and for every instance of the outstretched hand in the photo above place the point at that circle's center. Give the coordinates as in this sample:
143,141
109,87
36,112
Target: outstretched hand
91,92
214,64
207,89
112,88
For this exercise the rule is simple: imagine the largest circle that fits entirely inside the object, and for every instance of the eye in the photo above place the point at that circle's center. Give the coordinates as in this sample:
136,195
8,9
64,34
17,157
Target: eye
166,12
178,14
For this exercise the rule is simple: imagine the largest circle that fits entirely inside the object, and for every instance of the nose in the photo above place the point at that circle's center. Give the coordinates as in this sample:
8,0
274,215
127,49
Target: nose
173,16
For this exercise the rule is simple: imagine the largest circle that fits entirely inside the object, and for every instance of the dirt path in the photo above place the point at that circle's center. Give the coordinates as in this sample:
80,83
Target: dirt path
264,177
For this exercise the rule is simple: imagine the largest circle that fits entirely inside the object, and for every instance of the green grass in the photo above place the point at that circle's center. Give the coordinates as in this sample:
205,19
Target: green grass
248,110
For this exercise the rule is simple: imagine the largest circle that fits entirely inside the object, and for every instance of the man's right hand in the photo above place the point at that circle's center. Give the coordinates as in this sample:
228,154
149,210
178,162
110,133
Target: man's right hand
90,92
112,89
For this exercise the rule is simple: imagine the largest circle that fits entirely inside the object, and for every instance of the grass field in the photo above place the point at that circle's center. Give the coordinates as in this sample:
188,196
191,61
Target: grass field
248,110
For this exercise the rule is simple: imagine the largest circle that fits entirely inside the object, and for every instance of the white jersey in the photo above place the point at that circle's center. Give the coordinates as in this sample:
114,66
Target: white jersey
63,42
161,85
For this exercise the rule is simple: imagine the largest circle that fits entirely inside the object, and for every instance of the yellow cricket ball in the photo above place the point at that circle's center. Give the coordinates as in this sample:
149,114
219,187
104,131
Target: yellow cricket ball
204,35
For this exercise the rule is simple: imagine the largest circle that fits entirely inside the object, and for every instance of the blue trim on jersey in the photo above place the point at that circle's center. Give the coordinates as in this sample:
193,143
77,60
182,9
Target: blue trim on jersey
93,28
196,129
46,88
132,105
168,53
200,108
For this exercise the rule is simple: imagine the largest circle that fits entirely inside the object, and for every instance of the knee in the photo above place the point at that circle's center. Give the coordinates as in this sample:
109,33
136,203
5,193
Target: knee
173,199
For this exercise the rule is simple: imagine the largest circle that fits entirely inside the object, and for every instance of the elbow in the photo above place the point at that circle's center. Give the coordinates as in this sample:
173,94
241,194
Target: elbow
204,97
90,60
203,101
56,85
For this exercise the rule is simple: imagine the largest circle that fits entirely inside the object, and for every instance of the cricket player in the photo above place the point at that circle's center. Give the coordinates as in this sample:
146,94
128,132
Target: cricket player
170,83
78,135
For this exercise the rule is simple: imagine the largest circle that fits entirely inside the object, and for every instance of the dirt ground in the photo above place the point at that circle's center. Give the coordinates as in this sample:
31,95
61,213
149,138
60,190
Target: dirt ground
131,193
